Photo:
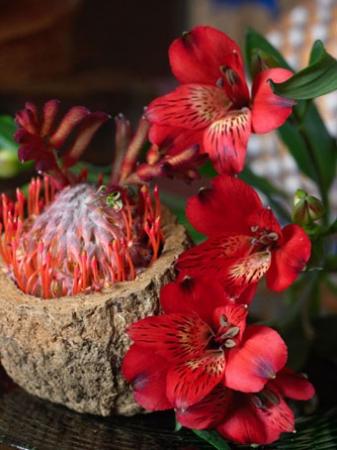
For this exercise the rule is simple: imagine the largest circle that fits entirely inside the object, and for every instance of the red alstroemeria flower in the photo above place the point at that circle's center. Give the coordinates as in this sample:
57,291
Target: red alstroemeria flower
257,418
245,241
201,341
212,107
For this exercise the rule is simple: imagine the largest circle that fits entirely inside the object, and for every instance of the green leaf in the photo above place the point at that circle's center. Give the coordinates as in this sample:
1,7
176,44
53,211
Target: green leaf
322,143
319,78
317,51
7,130
333,227
257,46
273,194
177,206
293,139
207,170
213,438
313,149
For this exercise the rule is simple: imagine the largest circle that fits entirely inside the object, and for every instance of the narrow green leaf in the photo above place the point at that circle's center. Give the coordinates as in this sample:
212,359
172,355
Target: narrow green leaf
177,206
317,52
333,227
273,194
313,149
257,46
293,139
261,183
7,130
319,78
213,438
322,144
207,170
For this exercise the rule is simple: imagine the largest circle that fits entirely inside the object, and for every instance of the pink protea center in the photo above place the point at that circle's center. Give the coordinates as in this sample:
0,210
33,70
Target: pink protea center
81,239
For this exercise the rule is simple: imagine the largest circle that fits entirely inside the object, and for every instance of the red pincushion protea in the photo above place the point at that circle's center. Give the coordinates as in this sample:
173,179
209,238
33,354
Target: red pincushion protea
68,236
200,342
244,239
212,107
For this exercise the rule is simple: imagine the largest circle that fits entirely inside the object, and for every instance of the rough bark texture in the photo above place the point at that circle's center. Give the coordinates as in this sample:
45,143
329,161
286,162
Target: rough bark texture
69,350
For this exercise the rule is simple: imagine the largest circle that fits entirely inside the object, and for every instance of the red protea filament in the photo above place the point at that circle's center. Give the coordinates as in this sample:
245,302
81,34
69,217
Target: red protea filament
80,239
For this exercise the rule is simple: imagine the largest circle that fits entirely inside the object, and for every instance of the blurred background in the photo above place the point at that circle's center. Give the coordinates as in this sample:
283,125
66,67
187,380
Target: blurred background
112,55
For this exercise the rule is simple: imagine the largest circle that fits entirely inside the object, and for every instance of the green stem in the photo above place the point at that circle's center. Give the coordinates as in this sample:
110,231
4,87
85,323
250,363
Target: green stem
213,438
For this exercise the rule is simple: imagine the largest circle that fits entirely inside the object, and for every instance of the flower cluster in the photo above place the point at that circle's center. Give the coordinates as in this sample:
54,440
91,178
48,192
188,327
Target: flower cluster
68,236
213,108
200,357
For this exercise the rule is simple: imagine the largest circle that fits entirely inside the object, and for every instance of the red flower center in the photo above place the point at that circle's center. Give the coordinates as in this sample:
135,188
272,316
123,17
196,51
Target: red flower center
227,335
264,239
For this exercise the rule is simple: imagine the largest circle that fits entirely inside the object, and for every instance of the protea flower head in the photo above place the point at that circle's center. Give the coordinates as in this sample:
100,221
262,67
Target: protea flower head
67,236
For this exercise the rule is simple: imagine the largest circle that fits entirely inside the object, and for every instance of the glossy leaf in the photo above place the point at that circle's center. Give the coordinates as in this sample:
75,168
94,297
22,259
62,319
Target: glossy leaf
316,52
213,438
273,194
293,139
7,129
257,47
177,206
319,78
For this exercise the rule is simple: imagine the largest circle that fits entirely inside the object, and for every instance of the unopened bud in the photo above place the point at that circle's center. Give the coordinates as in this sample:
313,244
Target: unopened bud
260,61
307,208
9,163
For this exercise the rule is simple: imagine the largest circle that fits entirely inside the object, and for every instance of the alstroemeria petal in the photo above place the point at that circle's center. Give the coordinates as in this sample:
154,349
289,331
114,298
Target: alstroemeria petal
199,56
214,258
247,270
146,371
269,111
294,385
242,424
215,210
207,413
264,219
249,423
229,317
190,106
247,295
174,137
193,294
190,381
177,337
261,354
225,141
290,259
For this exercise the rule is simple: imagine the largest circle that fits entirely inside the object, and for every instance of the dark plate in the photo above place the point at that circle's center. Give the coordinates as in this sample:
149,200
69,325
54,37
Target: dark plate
28,423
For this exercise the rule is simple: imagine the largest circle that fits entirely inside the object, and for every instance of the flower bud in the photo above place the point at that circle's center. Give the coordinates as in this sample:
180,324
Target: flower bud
307,208
9,163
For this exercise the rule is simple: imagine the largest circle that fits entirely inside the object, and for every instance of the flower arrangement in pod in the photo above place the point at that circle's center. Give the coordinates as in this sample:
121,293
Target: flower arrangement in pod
224,375
79,261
